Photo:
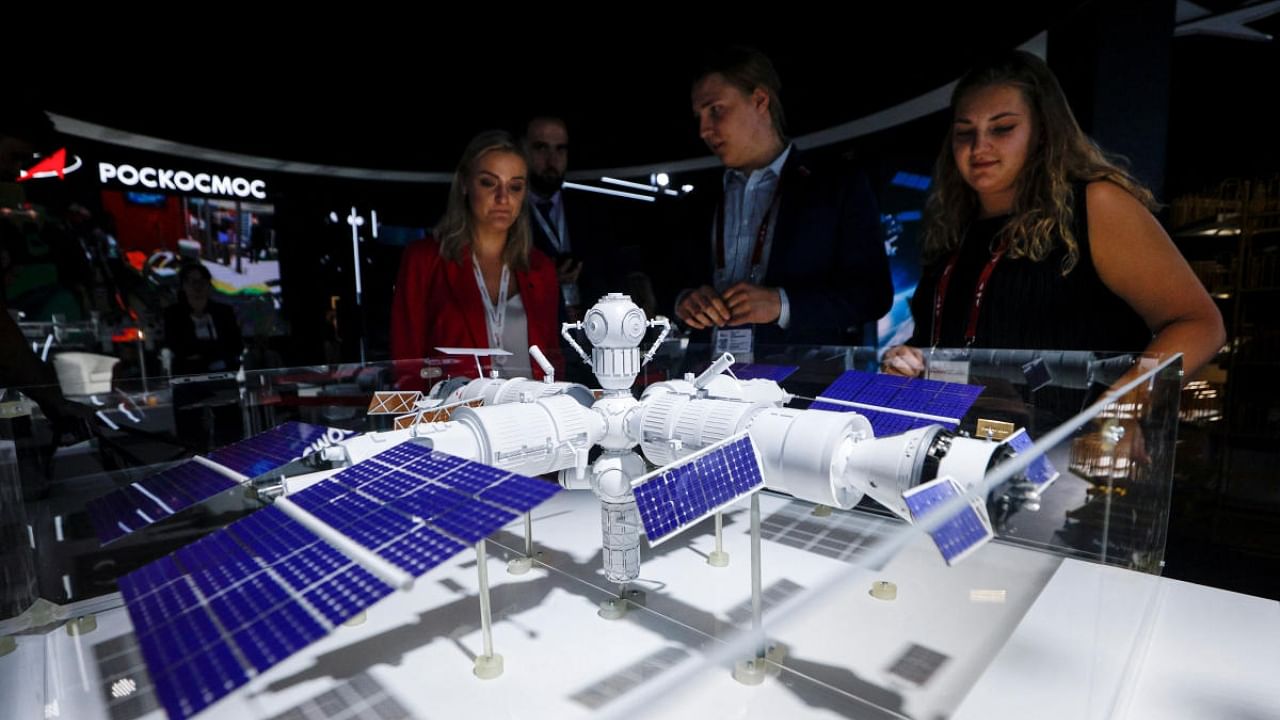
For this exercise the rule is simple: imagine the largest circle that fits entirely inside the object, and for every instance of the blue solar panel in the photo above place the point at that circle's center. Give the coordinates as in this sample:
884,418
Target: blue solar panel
310,565
237,602
173,638
405,453
962,533
761,371
473,521
1041,472
892,392
191,686
267,451
239,605
678,496
148,578
404,542
346,510
358,475
320,494
744,466
241,600
884,424
346,594
392,485
520,493
276,635
420,550
271,535
436,464
456,497
153,499
472,479
848,384
429,502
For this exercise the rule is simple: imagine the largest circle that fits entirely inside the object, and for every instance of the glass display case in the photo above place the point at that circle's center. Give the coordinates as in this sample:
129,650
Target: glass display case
776,606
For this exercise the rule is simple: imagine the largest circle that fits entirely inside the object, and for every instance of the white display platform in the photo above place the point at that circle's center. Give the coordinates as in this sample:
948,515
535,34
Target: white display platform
1024,634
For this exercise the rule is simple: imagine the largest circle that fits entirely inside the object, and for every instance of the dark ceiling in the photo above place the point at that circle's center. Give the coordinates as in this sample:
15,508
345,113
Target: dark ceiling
406,94
410,101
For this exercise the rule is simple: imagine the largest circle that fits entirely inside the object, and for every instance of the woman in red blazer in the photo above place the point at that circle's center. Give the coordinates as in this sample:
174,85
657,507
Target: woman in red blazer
478,282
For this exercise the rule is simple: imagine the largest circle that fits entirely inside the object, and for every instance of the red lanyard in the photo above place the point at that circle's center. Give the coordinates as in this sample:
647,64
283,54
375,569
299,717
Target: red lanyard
757,253
979,292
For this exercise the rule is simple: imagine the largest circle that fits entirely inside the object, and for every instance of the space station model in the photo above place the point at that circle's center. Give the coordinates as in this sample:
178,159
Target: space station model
371,513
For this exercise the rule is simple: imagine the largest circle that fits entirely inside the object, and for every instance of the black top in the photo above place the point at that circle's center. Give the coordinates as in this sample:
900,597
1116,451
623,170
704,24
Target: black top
192,354
1028,304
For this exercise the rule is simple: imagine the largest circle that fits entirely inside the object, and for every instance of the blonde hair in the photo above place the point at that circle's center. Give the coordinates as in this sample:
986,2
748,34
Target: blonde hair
1044,201
456,230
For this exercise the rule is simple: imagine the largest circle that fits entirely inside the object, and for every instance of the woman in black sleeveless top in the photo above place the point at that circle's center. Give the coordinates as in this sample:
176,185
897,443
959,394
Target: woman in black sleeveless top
1035,239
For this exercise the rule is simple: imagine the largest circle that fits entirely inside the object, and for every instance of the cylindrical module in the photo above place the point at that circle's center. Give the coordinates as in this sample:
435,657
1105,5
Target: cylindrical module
615,368
498,391
805,452
532,438
620,523
695,423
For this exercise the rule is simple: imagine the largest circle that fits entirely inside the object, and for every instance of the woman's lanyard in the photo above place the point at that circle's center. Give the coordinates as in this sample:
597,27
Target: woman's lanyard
979,293
495,317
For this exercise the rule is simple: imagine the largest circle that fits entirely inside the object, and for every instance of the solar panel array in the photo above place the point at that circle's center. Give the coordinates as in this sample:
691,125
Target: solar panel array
1041,472
158,496
154,498
269,450
411,505
679,495
212,615
963,532
890,393
761,371
231,605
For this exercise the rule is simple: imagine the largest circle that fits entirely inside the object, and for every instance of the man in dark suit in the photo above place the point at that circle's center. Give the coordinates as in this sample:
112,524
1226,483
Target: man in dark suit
796,254
567,228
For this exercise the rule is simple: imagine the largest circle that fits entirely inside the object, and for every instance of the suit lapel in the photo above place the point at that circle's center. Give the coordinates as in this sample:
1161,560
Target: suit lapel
792,184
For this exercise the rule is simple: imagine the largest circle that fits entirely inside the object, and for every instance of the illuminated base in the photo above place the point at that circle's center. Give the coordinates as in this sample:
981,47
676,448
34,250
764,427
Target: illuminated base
488,667
519,566
613,609
755,670
356,620
883,590
718,558
750,672
82,625
822,510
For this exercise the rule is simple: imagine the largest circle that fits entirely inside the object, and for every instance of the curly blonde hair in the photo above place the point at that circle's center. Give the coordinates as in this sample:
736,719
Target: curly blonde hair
1044,201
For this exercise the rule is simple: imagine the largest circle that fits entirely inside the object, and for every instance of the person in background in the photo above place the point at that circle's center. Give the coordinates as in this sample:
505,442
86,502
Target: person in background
204,335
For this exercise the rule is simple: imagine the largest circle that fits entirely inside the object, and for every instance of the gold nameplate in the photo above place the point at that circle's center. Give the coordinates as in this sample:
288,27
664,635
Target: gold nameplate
994,429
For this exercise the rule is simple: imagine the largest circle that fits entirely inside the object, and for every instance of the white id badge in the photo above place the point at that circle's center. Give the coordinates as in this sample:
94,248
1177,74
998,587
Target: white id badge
738,341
